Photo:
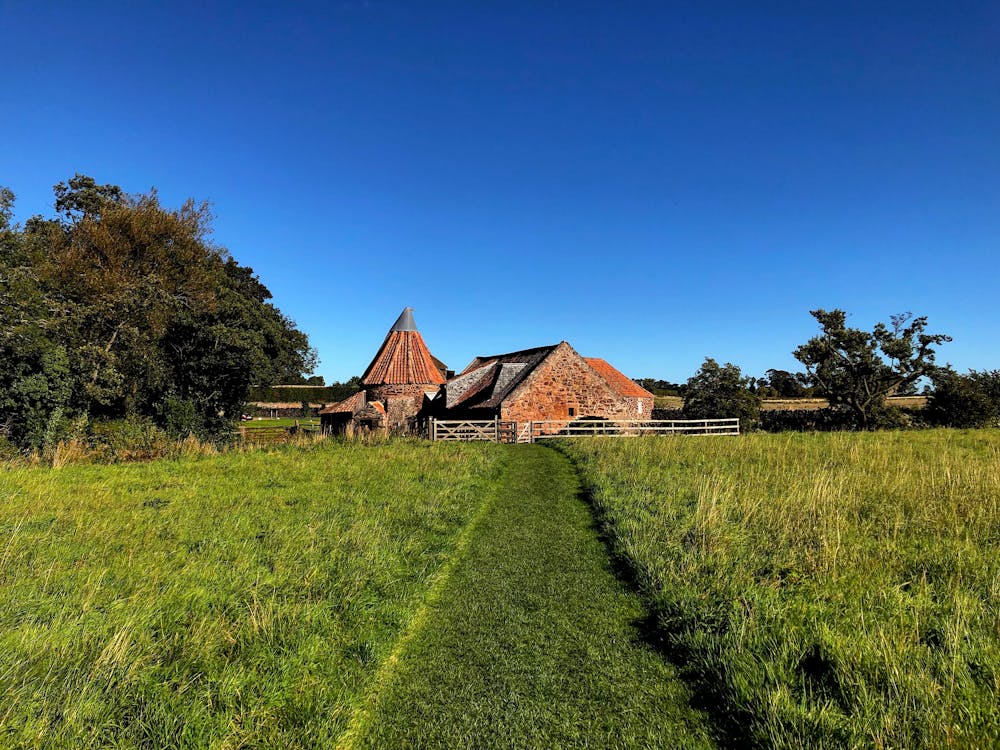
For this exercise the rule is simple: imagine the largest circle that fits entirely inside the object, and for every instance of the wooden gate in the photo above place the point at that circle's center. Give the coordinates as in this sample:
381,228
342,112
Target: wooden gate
471,430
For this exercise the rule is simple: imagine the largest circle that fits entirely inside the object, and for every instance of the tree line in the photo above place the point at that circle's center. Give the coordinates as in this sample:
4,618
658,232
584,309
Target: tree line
119,307
856,371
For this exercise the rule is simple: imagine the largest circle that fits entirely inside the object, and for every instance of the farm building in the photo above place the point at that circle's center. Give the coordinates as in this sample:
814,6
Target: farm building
396,383
545,383
406,382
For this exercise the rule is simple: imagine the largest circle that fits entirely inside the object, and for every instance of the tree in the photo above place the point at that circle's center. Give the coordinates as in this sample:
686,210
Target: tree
720,392
858,369
661,387
6,207
35,377
83,197
123,308
339,391
783,384
971,400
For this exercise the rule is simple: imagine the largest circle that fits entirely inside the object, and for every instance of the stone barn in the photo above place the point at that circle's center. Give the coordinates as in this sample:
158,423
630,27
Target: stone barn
546,383
400,377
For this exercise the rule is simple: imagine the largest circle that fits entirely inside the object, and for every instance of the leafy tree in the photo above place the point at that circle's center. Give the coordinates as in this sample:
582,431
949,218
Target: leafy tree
719,392
82,197
123,308
661,387
782,384
6,207
35,378
971,400
858,369
340,391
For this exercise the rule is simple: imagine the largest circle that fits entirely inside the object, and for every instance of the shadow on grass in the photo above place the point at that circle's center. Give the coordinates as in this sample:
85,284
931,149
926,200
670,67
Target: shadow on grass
708,693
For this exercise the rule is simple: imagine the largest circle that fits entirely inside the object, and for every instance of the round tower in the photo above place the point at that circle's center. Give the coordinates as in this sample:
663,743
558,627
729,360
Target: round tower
402,371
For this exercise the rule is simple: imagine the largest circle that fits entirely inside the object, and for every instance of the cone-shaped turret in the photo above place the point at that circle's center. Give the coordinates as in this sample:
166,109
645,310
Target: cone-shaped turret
405,321
403,358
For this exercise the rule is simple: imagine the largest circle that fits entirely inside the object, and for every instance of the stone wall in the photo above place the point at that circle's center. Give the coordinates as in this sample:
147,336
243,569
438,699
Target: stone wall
640,408
565,382
401,401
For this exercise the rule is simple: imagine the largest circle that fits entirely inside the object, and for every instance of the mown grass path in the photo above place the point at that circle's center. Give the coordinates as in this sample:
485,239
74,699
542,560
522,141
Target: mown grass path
532,641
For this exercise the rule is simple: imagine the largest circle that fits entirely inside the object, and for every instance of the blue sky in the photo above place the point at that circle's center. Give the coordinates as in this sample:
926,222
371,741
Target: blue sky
653,182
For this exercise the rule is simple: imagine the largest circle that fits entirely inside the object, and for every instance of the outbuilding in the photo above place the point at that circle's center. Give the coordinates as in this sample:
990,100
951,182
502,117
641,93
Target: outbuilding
401,376
540,384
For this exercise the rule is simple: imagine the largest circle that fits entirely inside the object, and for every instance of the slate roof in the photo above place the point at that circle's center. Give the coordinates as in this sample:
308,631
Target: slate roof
403,358
487,381
619,382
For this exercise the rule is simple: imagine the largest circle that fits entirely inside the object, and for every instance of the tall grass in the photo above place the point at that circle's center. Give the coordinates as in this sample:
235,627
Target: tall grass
233,600
832,590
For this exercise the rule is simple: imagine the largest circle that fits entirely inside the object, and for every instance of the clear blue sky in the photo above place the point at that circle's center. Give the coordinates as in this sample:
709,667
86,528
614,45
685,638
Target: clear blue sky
653,182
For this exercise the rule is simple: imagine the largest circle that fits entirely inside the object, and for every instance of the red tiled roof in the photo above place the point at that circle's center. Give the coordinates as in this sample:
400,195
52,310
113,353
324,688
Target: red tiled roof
403,359
619,382
350,404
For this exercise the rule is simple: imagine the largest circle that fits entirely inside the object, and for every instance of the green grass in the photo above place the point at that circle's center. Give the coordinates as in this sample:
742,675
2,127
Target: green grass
228,601
532,641
829,590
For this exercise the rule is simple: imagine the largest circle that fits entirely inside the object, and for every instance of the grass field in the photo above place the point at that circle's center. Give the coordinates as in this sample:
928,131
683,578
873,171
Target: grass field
825,590
812,590
533,641
241,600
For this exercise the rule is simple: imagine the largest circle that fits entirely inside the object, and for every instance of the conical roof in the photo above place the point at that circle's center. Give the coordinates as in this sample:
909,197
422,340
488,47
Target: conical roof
405,321
403,358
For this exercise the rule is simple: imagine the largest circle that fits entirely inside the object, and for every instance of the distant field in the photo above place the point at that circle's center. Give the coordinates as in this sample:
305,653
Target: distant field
808,404
252,424
825,590
798,404
668,402
242,600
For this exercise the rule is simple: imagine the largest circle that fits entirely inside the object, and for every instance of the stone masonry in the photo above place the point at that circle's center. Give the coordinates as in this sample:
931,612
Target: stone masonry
564,386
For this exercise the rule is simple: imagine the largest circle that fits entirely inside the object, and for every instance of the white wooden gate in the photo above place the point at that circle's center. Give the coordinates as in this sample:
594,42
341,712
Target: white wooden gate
472,430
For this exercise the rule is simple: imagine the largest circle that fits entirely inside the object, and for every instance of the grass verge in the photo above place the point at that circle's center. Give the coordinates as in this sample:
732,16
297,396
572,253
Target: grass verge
533,642
238,600
838,590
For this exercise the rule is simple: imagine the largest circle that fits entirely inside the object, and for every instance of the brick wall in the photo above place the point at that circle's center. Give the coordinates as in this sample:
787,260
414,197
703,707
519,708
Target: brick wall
562,382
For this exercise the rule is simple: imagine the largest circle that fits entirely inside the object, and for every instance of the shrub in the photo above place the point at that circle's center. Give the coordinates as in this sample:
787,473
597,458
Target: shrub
131,439
721,392
180,418
971,400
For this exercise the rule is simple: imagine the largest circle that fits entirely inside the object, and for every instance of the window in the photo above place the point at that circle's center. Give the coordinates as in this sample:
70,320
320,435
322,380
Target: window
572,411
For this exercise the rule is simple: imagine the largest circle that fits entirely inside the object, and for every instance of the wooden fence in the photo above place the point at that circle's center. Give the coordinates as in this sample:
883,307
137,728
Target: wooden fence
274,435
470,431
500,431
